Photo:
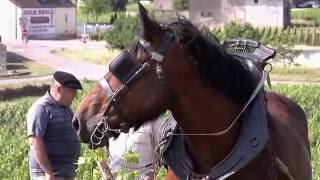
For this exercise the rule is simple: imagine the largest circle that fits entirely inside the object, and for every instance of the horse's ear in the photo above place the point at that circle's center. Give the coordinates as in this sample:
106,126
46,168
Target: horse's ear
148,27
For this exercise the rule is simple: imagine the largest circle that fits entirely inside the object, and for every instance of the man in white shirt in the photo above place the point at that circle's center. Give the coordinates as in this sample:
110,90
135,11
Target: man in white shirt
144,141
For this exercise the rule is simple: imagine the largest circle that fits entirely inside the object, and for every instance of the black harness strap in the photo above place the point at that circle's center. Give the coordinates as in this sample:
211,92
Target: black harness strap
127,69
159,57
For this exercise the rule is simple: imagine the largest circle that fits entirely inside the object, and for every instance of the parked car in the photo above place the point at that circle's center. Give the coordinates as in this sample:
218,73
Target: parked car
315,4
308,4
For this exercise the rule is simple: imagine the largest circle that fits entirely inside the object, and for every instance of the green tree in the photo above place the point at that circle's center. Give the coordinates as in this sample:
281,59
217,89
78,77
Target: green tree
181,4
235,30
123,31
119,5
97,7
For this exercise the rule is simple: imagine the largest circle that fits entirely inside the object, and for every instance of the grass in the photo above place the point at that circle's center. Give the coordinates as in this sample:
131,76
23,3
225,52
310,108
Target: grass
308,97
133,6
103,18
96,56
14,149
26,69
310,16
292,73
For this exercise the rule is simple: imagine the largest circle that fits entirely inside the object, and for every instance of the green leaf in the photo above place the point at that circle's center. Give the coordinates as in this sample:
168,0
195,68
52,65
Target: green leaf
131,157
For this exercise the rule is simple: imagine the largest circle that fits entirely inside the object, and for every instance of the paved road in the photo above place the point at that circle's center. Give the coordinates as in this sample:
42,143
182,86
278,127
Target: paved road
39,51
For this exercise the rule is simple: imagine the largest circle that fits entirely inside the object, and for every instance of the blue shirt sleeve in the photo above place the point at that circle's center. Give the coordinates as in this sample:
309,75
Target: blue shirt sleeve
37,120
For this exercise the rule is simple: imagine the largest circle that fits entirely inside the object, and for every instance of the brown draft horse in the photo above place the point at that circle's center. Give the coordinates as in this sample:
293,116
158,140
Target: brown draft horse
205,88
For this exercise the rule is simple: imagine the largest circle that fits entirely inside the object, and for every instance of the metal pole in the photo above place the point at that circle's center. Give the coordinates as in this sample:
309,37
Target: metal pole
16,26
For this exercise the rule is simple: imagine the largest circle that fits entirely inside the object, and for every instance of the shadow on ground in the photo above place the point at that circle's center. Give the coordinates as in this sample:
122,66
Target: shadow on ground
15,62
16,58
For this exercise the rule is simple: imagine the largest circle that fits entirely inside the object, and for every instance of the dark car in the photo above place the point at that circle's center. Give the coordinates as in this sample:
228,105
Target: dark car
308,4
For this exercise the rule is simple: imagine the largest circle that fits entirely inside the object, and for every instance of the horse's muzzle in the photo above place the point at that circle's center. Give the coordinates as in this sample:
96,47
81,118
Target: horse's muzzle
82,132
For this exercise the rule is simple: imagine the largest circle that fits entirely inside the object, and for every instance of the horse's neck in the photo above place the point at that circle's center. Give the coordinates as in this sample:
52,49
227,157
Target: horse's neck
204,110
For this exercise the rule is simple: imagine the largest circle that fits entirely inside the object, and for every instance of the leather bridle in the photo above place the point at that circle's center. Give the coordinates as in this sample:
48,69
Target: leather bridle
103,128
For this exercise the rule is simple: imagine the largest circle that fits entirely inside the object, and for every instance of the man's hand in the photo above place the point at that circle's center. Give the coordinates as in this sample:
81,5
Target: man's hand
40,154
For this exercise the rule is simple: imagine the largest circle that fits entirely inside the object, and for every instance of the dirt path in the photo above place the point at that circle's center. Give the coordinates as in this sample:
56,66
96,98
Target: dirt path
39,51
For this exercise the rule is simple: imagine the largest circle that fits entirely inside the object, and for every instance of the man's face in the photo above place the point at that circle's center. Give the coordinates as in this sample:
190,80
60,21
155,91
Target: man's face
67,95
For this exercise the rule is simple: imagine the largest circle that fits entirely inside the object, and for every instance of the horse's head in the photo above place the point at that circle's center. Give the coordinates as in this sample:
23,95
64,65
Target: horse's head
132,92
167,66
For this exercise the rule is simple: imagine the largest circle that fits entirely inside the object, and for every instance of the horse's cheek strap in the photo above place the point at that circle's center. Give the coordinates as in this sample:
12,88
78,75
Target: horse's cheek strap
164,84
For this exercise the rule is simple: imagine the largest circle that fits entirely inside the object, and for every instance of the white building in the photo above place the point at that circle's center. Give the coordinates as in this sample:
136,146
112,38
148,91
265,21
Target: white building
163,5
165,10
44,19
213,13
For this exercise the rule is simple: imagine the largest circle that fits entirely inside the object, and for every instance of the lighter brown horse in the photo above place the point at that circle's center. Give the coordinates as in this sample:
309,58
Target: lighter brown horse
205,88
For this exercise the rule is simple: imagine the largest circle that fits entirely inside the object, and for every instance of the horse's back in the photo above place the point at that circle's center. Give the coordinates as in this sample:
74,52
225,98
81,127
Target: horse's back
289,135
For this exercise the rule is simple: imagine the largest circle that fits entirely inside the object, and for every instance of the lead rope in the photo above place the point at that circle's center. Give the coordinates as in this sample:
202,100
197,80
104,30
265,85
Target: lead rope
265,75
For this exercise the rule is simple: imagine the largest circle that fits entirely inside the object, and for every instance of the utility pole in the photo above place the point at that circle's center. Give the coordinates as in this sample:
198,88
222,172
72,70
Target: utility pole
76,18
16,21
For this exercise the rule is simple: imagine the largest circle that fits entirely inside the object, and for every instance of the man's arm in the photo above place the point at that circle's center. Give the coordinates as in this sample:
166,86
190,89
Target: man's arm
40,153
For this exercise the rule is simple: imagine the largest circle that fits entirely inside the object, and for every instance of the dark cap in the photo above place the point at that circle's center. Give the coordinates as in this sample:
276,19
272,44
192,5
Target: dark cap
67,79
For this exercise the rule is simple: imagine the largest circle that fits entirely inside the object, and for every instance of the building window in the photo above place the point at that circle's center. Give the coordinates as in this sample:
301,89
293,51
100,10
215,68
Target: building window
255,1
66,18
206,14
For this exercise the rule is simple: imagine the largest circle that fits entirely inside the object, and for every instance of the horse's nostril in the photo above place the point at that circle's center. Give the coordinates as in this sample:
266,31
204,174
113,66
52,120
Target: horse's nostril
75,124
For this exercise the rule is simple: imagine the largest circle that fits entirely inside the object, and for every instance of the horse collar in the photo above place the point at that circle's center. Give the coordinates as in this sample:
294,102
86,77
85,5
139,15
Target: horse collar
253,138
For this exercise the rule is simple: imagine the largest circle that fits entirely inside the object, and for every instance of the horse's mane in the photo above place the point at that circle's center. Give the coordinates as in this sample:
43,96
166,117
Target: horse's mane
219,69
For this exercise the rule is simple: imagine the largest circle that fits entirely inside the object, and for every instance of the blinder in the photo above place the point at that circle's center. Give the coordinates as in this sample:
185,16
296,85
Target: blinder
127,69
124,66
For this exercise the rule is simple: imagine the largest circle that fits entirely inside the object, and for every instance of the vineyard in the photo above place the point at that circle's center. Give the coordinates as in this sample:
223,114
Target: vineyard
14,148
297,35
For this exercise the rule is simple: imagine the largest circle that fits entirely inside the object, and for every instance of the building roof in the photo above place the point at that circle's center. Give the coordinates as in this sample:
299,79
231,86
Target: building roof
44,3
